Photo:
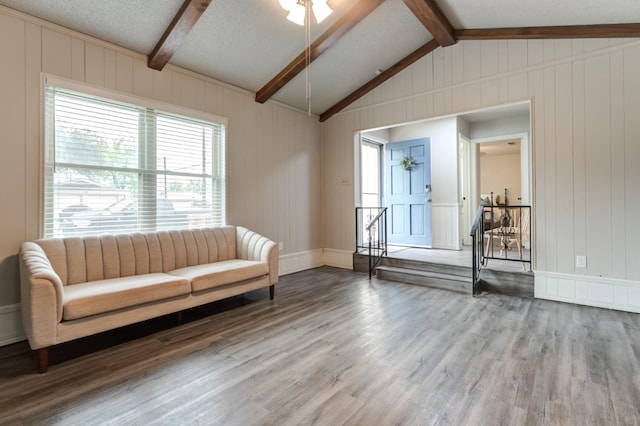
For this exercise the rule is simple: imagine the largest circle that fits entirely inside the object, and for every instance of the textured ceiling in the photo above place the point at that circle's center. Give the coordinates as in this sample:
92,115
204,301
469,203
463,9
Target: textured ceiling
247,42
531,13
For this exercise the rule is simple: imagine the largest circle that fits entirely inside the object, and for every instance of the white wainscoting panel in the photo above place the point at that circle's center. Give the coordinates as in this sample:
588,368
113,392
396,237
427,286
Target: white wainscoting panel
445,231
10,325
622,295
296,262
338,258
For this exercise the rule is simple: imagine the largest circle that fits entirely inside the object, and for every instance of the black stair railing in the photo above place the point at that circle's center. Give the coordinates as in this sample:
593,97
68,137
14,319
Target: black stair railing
507,234
500,232
371,234
476,250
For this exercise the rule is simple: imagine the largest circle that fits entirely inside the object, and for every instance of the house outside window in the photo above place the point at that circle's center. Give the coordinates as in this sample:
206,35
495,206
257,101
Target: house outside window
117,166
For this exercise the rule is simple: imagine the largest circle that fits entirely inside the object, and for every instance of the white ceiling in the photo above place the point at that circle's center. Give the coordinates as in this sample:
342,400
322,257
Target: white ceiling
500,147
247,42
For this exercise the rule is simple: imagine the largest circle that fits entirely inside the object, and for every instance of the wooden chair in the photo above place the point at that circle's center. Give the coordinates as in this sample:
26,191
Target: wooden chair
512,233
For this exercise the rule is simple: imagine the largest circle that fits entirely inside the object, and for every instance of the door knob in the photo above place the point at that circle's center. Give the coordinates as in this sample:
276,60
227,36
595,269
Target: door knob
427,200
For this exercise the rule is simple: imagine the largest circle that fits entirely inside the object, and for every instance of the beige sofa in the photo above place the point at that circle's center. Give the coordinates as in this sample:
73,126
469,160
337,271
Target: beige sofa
75,287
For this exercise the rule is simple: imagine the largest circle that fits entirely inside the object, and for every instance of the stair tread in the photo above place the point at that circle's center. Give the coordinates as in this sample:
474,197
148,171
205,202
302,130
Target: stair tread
422,273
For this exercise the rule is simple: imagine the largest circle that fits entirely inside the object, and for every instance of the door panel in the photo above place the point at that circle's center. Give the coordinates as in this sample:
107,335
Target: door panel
417,219
397,219
408,201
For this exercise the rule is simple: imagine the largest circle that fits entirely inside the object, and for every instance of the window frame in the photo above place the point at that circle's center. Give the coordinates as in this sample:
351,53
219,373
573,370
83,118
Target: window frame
126,98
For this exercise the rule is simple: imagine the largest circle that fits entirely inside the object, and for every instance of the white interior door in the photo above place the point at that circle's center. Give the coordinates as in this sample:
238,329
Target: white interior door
464,168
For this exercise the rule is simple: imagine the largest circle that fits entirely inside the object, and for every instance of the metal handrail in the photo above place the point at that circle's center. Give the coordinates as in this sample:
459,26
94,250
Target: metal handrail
376,229
383,211
476,231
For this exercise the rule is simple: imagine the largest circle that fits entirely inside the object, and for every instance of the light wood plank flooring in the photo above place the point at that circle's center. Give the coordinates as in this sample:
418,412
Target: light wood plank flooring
335,348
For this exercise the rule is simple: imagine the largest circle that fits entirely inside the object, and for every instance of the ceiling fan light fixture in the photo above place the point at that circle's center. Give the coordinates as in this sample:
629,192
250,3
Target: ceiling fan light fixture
296,14
288,4
321,10
297,10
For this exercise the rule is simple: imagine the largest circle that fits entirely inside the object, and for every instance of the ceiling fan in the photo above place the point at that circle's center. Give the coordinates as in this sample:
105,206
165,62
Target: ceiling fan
298,8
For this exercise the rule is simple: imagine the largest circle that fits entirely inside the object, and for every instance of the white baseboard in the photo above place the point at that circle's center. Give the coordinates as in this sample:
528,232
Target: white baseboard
338,258
610,293
10,325
301,261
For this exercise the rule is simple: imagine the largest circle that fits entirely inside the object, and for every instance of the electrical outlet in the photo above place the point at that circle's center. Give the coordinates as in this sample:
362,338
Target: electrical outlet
581,261
281,246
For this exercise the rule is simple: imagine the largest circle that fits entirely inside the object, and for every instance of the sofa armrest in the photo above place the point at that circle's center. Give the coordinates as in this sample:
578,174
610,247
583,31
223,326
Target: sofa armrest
253,246
42,296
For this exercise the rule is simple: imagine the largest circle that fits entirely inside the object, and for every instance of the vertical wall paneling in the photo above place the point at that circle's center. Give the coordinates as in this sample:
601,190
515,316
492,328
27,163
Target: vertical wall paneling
518,87
562,48
124,73
598,165
579,161
632,156
489,55
94,64
517,54
564,169
536,91
490,92
162,86
549,169
535,52
191,92
56,53
458,72
77,60
110,69
618,207
12,152
33,65
444,226
143,81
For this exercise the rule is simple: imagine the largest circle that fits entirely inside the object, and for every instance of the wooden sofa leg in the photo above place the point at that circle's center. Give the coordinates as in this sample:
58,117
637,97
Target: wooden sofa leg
43,360
272,291
179,317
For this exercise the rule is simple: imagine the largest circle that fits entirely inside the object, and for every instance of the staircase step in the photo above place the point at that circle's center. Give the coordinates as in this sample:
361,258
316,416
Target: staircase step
438,280
464,271
511,283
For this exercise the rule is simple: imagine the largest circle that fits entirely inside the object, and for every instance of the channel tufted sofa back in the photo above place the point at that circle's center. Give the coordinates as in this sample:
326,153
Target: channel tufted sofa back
82,259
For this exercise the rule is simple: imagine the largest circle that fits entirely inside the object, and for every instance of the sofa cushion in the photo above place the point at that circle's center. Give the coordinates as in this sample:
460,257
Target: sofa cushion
96,297
211,275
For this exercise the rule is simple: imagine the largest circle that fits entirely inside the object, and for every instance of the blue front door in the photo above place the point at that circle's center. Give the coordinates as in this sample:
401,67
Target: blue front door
408,192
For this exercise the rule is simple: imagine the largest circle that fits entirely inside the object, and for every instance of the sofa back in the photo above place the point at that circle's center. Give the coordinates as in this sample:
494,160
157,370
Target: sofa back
82,259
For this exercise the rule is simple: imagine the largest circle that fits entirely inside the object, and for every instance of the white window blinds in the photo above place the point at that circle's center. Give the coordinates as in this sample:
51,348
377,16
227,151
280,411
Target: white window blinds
113,167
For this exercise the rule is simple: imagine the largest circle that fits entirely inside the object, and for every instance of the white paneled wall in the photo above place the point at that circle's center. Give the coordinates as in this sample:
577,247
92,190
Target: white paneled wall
585,139
273,152
444,225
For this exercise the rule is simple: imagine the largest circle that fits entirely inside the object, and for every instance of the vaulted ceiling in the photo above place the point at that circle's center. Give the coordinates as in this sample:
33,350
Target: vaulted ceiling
251,44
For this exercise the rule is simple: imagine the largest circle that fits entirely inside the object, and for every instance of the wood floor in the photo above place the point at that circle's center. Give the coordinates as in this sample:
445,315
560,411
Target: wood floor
335,348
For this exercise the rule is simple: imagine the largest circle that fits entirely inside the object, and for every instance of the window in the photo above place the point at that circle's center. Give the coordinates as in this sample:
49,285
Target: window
114,167
371,159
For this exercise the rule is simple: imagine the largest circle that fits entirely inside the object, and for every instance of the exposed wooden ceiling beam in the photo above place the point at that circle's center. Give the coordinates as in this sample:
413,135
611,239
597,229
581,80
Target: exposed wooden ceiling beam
565,31
356,14
177,32
431,16
378,80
